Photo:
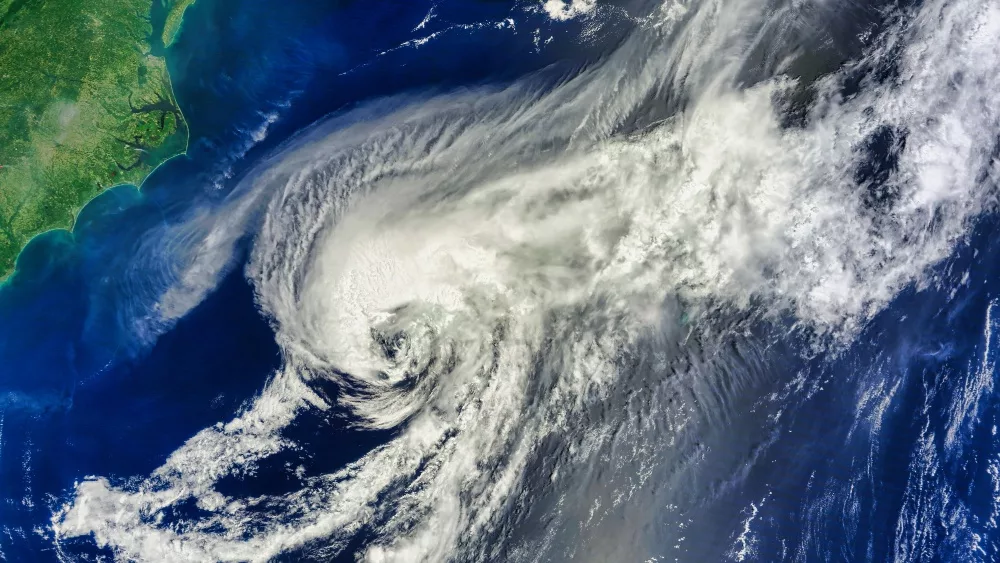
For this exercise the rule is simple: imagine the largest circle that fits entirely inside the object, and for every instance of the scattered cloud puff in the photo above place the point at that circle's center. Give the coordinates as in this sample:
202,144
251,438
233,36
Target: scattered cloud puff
563,10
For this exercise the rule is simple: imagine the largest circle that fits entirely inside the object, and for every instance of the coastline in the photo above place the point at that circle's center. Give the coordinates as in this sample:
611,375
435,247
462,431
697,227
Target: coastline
174,21
9,278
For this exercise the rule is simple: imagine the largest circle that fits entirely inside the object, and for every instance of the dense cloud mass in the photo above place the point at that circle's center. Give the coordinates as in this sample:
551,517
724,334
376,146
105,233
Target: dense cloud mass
479,272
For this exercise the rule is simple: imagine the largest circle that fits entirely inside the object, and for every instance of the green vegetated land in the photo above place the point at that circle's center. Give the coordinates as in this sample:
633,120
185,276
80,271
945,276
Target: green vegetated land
175,16
84,105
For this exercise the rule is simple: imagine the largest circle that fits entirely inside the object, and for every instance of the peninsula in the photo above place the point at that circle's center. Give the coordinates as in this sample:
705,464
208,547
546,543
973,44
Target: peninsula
175,17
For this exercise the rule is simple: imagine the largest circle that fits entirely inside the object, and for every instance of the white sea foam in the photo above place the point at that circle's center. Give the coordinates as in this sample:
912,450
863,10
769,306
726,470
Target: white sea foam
471,270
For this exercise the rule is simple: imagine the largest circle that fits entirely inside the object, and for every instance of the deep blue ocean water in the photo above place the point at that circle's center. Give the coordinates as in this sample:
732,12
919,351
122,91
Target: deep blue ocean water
79,395
897,431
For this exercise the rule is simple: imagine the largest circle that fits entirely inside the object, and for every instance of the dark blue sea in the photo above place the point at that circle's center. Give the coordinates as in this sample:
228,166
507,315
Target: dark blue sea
878,446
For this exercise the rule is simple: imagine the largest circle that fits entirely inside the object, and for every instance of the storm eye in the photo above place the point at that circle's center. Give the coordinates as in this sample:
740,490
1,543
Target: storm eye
391,345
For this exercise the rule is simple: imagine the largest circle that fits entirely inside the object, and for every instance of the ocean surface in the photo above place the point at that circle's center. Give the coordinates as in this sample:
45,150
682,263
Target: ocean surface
526,281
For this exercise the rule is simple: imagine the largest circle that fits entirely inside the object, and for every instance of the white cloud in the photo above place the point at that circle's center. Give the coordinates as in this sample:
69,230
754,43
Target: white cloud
475,264
563,10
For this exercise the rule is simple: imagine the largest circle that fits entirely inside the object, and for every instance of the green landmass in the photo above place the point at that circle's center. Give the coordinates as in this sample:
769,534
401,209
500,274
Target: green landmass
84,105
175,17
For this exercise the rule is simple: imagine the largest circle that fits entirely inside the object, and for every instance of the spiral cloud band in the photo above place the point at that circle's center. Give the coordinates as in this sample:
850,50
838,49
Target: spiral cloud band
476,273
